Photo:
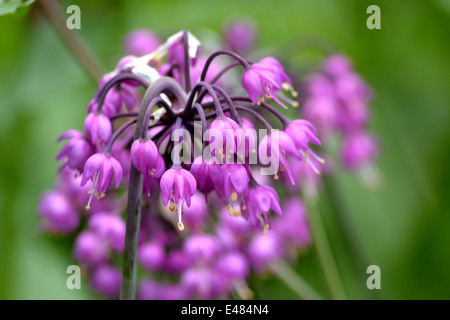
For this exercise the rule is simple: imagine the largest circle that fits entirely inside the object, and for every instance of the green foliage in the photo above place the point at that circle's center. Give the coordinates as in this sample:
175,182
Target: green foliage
10,6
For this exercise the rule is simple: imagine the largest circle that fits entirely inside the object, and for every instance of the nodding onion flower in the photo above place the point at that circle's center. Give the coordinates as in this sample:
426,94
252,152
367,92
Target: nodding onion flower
192,147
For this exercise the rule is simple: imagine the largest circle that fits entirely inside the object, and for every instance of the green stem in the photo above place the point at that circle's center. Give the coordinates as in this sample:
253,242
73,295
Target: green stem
325,254
52,9
294,281
162,85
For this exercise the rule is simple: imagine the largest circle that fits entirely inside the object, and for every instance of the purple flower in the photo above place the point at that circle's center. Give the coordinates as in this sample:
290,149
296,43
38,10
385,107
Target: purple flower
233,265
106,280
90,249
177,261
265,79
144,155
292,227
302,132
233,180
354,97
194,216
260,201
205,172
101,169
359,149
152,256
98,128
260,83
337,65
150,180
241,35
202,247
224,129
177,187
153,290
276,147
263,250
77,150
246,139
322,111
204,283
109,227
58,213
140,42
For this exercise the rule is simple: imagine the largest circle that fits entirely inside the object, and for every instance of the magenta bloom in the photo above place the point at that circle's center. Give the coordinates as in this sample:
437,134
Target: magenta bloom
232,181
206,172
177,187
77,150
98,128
141,42
195,215
246,139
58,213
277,69
106,280
265,79
302,132
233,265
110,227
101,169
276,147
90,249
150,180
202,247
152,256
337,65
260,83
263,250
144,155
260,201
223,128
292,227
322,111
359,149
241,35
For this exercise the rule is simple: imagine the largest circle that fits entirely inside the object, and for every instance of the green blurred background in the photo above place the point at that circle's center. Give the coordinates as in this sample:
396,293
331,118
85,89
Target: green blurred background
403,227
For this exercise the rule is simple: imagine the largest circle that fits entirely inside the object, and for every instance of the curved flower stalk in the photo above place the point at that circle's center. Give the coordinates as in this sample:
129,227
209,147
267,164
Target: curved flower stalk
135,141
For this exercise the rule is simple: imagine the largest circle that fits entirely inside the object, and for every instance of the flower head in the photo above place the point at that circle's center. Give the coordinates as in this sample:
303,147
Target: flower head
259,202
77,150
177,187
265,79
141,41
98,128
101,169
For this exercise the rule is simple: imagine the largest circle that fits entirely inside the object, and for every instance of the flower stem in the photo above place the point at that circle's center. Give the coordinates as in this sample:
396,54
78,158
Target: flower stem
52,9
128,291
326,258
294,281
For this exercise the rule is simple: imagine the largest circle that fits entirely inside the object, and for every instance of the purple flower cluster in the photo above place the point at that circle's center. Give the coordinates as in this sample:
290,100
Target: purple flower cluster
337,101
220,231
